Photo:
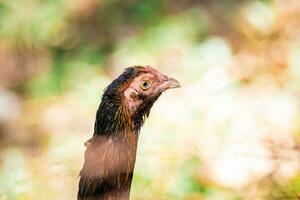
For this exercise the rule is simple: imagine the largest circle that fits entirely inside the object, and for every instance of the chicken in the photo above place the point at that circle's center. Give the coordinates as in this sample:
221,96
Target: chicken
111,152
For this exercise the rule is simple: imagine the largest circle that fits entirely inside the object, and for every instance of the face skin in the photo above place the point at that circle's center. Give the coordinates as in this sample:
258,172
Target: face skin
149,85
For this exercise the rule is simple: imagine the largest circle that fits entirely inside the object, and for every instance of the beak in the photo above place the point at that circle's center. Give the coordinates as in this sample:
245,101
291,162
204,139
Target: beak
169,83
172,83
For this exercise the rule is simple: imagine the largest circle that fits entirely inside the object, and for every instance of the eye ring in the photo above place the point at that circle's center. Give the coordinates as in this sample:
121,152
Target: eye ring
145,84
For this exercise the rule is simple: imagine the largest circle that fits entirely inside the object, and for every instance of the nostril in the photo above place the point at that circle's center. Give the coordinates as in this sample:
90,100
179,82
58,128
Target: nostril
165,78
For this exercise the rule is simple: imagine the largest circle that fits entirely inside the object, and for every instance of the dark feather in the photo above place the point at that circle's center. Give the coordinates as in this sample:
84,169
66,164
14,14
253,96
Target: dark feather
114,135
111,104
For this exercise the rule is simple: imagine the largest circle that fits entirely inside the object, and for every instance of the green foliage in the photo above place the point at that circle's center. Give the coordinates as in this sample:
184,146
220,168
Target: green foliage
187,180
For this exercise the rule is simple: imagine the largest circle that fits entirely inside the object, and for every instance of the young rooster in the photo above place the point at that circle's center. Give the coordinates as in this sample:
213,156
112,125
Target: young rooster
110,154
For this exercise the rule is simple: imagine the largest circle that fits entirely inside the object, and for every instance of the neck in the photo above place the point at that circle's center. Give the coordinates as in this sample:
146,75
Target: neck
109,161
113,118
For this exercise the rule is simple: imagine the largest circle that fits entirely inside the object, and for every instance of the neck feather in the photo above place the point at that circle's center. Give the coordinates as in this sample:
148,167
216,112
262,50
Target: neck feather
113,117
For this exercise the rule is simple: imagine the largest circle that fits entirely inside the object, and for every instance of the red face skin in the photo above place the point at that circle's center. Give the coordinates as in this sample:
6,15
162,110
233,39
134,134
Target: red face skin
150,83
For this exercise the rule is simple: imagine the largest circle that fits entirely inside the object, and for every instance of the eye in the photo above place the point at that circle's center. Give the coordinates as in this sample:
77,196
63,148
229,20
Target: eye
145,84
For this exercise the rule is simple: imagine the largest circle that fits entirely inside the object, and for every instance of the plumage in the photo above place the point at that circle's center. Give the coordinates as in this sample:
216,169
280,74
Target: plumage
111,152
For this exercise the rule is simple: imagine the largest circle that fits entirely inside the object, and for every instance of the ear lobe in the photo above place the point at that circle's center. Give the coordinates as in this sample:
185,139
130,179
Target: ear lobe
131,100
130,93
133,95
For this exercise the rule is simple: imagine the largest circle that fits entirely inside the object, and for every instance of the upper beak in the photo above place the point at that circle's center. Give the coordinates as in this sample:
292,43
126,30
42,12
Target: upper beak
168,83
172,83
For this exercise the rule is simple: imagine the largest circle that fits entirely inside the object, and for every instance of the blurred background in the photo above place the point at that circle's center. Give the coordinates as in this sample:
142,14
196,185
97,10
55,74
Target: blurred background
231,132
